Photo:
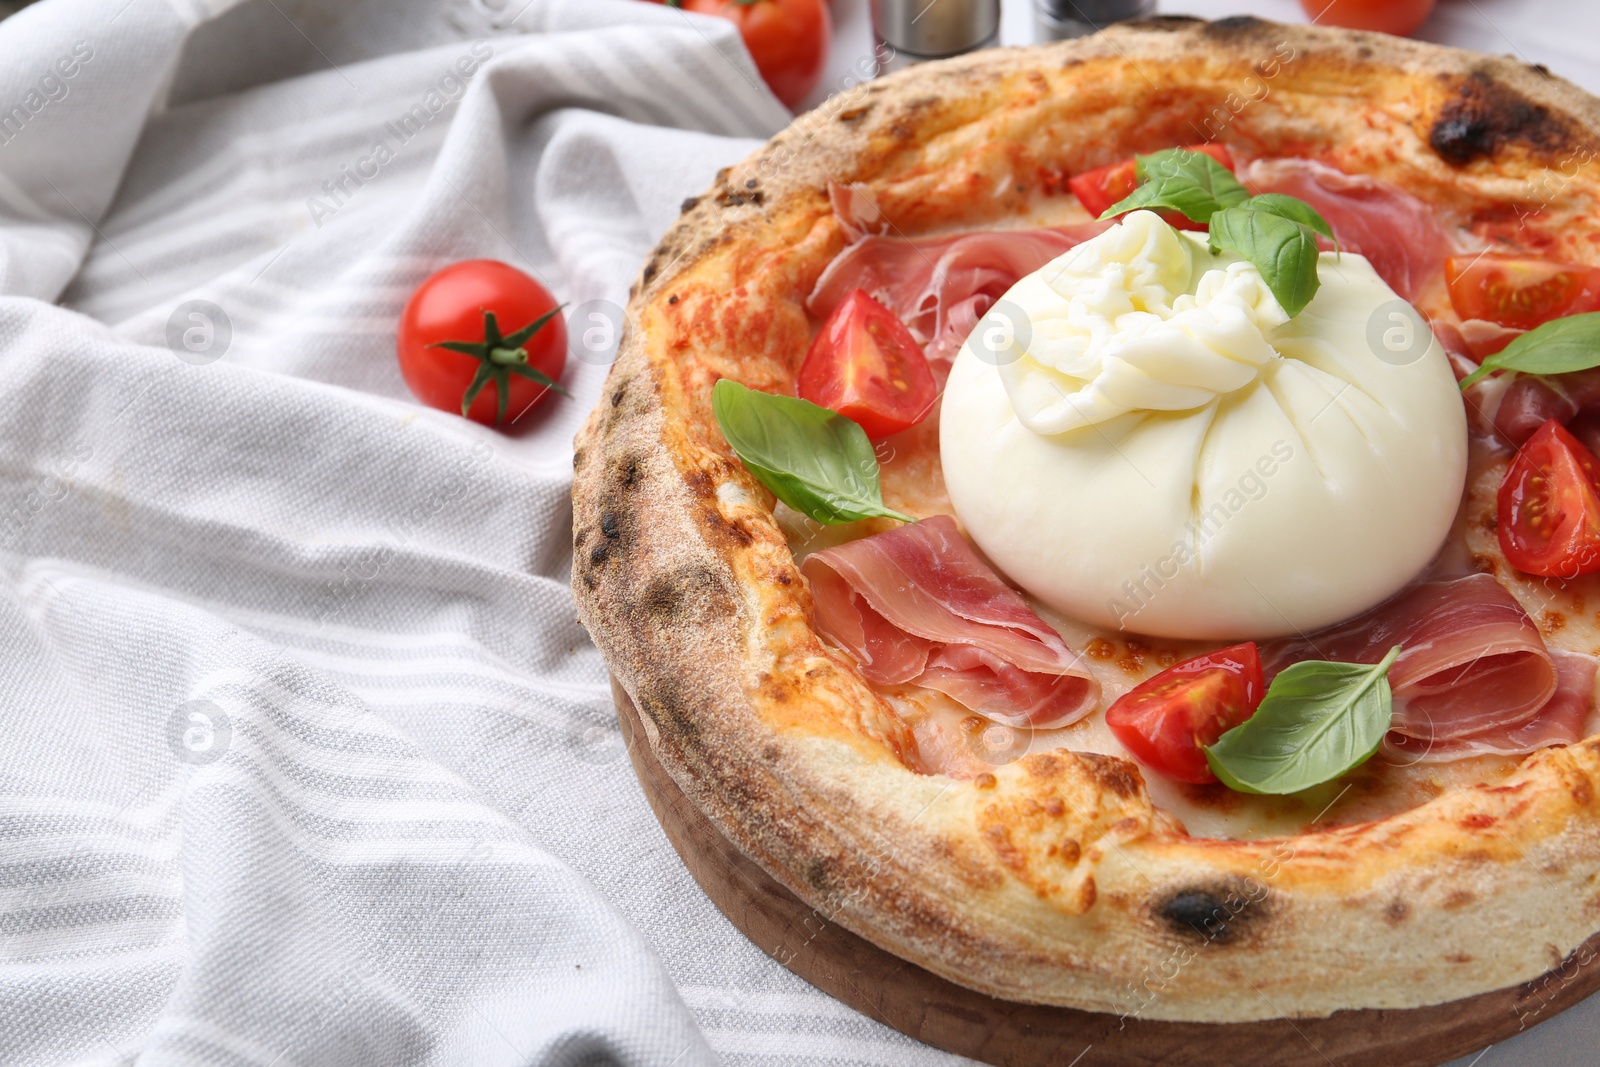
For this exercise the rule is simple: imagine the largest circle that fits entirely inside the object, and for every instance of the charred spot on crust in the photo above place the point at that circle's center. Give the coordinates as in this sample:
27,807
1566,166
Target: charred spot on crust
855,114
616,397
1189,912
693,594
1397,912
689,204
1222,914
726,530
911,117
818,876
730,198
609,526
1233,26
1112,774
625,472
1486,115
650,269
666,704
1165,23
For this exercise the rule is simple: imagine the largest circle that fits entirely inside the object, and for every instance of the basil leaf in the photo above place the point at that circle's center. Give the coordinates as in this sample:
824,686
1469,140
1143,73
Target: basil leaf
1560,346
1283,250
1180,180
1293,209
1317,721
815,460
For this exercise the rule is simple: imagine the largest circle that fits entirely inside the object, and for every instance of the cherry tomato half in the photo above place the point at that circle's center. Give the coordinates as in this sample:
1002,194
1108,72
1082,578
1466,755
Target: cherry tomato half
1166,721
1549,506
1399,17
865,365
1519,292
511,370
1102,187
788,39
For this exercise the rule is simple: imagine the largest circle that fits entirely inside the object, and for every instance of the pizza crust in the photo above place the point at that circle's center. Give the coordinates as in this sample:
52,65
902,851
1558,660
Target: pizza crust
1052,879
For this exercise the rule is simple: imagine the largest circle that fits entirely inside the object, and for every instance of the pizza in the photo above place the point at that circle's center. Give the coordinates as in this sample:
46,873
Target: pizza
1049,514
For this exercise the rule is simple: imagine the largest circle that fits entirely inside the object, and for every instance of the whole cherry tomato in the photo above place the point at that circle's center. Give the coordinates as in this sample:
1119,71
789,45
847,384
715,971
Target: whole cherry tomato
865,365
482,338
788,39
1168,720
1399,17
1549,506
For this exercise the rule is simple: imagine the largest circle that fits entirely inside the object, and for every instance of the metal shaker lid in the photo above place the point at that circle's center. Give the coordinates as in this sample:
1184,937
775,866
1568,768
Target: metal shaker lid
932,28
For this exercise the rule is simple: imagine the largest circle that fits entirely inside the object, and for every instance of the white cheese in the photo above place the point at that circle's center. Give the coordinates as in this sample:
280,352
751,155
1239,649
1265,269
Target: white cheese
1138,435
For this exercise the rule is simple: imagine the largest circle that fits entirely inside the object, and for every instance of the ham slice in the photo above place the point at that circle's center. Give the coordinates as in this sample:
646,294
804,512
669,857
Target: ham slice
1397,232
939,287
1522,405
1473,662
856,209
1562,721
1525,406
915,605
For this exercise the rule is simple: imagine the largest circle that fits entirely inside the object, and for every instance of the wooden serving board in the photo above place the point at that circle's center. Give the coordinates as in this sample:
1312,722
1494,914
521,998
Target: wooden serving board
1007,1034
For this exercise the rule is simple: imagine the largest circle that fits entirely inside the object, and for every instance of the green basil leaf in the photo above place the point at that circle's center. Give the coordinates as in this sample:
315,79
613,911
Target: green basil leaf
1560,346
1293,209
1283,250
1180,180
815,460
1318,720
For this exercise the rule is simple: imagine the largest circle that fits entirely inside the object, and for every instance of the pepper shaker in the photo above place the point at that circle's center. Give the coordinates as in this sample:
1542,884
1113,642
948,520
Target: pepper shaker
913,31
1057,20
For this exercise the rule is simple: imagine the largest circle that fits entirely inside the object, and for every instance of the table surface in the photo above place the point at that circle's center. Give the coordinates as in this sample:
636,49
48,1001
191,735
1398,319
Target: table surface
1560,35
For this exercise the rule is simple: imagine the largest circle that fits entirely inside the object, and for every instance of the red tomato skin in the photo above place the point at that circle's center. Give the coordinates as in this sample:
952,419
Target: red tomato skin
788,39
848,368
1399,17
1553,531
1102,187
1518,291
449,306
1167,719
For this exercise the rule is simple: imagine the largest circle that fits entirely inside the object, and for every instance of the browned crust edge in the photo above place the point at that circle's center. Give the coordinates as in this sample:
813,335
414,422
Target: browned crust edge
1054,880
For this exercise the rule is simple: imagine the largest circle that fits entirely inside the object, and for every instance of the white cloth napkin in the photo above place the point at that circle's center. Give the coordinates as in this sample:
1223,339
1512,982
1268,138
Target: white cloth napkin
304,758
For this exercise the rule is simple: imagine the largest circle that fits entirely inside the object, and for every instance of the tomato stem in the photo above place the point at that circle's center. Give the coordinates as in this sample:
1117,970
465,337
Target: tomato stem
501,356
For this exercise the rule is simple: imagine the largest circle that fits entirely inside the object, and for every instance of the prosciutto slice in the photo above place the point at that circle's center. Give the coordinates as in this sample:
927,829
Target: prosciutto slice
1395,231
1562,721
1528,400
1473,662
940,287
916,605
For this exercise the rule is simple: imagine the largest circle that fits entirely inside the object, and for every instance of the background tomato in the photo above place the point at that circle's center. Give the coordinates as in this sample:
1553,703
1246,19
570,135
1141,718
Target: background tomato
865,365
449,346
788,39
1399,17
1167,720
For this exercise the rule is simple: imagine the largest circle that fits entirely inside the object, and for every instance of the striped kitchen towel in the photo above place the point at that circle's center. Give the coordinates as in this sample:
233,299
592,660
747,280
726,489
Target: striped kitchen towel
304,757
